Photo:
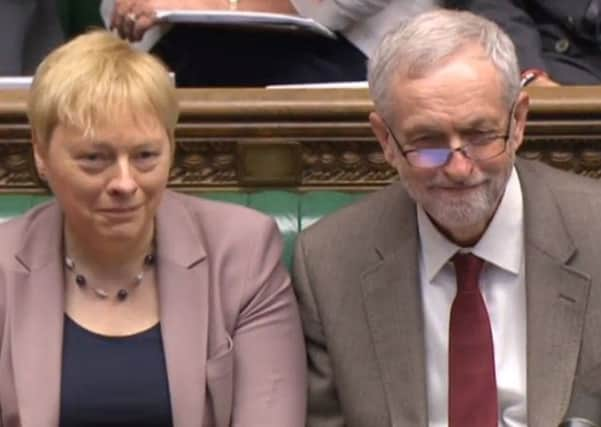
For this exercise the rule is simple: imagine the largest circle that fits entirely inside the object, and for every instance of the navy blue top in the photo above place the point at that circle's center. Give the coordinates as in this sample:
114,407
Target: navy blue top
113,381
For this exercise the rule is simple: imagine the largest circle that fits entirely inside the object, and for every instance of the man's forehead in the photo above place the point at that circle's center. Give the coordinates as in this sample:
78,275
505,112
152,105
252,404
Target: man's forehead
468,54
456,82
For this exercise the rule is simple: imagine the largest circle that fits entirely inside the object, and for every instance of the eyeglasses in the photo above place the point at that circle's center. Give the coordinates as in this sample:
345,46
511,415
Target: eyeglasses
477,146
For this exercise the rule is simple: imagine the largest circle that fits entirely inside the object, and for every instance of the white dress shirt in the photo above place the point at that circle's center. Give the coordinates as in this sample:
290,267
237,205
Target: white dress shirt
503,288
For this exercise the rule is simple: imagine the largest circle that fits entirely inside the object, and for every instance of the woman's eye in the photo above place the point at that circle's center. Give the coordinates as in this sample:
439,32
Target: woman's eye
146,155
93,157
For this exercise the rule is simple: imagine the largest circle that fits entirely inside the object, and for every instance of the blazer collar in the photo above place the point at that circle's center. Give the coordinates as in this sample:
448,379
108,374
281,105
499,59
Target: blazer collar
38,323
183,277
556,295
393,309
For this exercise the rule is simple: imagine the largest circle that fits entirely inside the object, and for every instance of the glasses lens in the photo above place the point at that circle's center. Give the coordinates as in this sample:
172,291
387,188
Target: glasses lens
488,151
429,157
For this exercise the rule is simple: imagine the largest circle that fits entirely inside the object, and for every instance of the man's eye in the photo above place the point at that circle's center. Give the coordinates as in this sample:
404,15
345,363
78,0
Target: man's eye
481,138
424,142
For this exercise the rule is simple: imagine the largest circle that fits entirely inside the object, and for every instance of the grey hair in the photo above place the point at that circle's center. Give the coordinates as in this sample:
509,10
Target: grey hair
429,39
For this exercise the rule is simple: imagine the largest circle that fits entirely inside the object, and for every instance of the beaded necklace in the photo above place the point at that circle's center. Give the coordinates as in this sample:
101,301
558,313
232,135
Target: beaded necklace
82,282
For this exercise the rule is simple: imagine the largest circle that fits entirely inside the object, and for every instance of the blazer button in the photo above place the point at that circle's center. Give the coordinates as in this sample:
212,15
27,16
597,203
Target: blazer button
570,21
562,45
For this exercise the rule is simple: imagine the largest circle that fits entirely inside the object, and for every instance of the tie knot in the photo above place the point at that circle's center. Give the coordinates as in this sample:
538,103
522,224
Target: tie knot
467,269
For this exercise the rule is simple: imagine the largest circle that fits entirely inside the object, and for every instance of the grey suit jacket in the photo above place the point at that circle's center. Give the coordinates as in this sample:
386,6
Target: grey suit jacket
356,276
229,321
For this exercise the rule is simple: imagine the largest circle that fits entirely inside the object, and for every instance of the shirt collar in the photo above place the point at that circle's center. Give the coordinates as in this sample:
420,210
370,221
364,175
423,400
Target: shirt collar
501,244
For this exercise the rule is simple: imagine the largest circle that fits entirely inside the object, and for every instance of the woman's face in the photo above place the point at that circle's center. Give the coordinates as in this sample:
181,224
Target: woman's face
109,184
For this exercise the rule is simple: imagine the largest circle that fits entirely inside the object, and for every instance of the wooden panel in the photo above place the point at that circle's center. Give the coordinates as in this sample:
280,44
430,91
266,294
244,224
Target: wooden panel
233,139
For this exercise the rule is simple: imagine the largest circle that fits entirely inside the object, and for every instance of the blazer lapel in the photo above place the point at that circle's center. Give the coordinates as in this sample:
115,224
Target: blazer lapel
556,304
37,326
394,314
183,287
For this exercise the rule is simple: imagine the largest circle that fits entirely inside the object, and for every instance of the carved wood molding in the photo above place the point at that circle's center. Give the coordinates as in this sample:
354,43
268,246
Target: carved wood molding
244,138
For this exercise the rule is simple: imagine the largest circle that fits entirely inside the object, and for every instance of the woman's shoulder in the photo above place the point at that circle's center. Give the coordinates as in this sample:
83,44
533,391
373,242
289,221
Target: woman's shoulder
15,231
218,214
219,226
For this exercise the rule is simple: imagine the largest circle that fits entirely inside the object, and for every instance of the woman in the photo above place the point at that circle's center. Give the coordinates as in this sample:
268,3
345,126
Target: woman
122,303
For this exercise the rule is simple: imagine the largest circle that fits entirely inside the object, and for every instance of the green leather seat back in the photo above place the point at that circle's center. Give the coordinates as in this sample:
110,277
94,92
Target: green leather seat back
291,211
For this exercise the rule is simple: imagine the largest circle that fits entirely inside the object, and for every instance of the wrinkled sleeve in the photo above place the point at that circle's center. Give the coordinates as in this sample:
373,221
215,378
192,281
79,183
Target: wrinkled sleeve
323,404
339,14
270,368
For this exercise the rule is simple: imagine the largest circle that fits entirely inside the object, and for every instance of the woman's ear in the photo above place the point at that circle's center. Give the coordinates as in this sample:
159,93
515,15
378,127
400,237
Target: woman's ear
39,156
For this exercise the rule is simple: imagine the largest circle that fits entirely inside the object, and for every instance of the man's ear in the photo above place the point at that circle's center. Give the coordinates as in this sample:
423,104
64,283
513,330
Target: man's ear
382,134
520,115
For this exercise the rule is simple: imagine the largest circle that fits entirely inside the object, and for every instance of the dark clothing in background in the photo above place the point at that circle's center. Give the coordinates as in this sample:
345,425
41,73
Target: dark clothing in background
217,57
562,37
29,30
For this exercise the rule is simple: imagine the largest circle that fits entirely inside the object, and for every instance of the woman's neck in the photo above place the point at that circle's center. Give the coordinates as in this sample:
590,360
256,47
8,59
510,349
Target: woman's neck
109,260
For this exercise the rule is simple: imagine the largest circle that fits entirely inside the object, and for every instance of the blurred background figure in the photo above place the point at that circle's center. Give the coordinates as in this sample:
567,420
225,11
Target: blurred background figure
29,29
557,41
202,56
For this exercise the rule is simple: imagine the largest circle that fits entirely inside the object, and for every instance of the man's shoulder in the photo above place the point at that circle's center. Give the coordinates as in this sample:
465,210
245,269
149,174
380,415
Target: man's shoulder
558,181
360,221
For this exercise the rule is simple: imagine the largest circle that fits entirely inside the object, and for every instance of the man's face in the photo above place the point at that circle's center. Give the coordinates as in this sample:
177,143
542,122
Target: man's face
455,102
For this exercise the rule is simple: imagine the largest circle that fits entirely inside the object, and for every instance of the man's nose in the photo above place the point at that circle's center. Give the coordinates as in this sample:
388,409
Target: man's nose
459,166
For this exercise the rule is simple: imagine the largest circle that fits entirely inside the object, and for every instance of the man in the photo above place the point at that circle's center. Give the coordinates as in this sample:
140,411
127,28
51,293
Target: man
557,41
376,281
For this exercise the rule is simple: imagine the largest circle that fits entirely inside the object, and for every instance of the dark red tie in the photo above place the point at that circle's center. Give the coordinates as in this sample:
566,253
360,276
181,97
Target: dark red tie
472,382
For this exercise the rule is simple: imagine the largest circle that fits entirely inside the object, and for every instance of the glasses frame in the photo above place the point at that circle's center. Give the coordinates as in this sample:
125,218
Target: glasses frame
506,136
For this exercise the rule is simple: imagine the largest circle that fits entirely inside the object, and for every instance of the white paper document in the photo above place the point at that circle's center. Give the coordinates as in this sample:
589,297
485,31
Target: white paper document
258,20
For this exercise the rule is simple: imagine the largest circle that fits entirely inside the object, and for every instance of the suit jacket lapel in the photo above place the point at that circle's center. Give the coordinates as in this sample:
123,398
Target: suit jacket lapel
556,303
37,326
183,286
394,313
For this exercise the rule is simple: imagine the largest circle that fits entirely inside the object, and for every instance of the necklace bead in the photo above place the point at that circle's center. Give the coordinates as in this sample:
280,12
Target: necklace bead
80,280
122,294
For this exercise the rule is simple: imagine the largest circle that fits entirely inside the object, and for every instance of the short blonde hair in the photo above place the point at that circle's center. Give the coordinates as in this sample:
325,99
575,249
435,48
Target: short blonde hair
89,81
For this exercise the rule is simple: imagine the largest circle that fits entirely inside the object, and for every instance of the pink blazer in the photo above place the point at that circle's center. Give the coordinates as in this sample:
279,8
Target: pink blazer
230,325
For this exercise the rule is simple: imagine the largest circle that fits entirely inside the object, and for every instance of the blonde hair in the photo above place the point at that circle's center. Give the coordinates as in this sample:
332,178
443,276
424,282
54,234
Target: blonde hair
92,80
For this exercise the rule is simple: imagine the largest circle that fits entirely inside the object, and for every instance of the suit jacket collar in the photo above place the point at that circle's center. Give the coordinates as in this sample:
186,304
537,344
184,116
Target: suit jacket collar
183,288
393,310
556,303
556,295
38,320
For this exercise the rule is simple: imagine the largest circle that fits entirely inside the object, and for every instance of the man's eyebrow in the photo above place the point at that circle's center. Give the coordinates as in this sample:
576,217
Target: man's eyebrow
479,123
422,129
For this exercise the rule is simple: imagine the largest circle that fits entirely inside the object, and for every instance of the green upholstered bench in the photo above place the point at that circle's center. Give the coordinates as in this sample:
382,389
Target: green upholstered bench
292,211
